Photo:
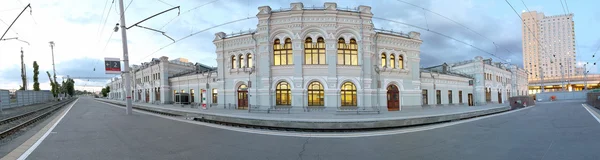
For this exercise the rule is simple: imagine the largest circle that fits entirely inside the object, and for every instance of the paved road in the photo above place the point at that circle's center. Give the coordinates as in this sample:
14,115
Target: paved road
93,130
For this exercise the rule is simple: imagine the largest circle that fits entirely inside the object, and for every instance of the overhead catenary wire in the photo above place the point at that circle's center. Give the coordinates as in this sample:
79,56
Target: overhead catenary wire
185,12
567,6
526,26
166,3
195,33
460,24
443,35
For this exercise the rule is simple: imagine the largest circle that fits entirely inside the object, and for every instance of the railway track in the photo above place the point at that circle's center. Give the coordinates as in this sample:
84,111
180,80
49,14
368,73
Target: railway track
288,129
11,125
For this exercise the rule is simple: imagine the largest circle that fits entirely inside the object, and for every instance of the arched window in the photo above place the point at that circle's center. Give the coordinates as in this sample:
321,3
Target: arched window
314,53
400,62
347,53
241,61
383,60
249,60
283,95
316,94
348,94
282,55
233,62
392,61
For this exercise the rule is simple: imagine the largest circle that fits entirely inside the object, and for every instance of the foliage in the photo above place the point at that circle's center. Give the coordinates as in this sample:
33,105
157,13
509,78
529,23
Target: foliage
36,72
53,85
68,87
105,91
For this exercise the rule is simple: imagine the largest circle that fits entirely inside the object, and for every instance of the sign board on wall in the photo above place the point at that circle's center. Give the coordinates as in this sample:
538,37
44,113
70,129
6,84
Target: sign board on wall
112,65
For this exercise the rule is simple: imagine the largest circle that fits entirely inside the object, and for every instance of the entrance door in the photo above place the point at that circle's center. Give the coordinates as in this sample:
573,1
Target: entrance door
243,97
393,103
470,97
499,97
147,96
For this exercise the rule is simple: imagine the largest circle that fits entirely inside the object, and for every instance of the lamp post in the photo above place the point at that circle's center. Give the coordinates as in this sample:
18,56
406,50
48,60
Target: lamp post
249,71
376,68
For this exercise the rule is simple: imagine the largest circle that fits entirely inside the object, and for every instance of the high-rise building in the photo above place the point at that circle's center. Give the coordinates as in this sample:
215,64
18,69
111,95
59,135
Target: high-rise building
548,45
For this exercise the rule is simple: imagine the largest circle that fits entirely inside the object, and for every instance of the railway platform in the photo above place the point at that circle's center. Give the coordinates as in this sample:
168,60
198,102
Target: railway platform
326,119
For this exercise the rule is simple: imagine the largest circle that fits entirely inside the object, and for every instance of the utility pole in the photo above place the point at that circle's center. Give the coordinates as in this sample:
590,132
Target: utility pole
125,59
585,77
23,71
562,77
53,67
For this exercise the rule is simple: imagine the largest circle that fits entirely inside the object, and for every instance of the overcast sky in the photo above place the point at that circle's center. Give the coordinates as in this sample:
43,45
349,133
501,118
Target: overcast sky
81,30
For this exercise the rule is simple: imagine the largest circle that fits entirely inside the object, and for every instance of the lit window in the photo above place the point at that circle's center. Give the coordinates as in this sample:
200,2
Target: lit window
316,94
348,94
347,53
283,95
392,61
383,60
282,53
214,95
400,62
233,62
249,60
241,61
314,54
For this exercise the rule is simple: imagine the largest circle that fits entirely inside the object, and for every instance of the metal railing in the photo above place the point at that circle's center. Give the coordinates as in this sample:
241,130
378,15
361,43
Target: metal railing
595,77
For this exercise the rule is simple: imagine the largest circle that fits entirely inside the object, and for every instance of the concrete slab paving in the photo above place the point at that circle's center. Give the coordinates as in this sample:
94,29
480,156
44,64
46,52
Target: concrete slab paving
94,130
329,119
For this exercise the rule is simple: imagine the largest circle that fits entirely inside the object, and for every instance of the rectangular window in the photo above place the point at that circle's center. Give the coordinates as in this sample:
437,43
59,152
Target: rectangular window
214,96
449,96
438,96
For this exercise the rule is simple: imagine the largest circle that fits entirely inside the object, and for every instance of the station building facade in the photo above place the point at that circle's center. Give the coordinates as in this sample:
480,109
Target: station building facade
316,57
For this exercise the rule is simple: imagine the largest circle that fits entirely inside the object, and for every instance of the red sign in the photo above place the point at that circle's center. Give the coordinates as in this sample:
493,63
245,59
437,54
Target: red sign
112,65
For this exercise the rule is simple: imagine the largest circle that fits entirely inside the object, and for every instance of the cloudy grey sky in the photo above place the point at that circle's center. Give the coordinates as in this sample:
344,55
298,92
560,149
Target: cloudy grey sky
83,38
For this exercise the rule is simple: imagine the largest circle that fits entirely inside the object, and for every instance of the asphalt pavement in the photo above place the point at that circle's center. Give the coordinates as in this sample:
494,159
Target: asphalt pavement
94,130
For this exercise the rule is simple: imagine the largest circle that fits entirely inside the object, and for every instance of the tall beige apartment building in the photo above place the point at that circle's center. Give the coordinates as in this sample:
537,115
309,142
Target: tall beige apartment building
548,45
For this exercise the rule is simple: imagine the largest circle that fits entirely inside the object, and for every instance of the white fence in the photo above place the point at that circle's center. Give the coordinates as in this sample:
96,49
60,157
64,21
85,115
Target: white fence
562,95
22,98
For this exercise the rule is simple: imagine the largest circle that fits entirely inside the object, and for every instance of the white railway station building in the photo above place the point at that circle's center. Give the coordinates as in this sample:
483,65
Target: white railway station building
322,57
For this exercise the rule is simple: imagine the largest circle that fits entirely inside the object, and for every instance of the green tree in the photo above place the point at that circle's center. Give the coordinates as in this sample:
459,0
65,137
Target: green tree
53,85
105,91
36,72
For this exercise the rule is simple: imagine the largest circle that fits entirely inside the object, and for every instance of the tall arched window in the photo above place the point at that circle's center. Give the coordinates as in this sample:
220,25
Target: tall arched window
282,54
249,60
283,95
233,62
347,53
241,61
392,61
316,94
348,94
383,60
314,53
400,62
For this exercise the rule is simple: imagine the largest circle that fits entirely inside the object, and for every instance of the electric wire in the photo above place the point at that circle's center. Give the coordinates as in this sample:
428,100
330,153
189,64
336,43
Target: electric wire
195,33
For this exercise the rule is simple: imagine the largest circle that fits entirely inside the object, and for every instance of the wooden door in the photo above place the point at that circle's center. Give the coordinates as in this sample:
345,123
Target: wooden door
499,97
470,98
242,99
393,98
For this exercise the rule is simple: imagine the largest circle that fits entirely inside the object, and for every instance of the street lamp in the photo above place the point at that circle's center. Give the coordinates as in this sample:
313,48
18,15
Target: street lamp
249,71
376,68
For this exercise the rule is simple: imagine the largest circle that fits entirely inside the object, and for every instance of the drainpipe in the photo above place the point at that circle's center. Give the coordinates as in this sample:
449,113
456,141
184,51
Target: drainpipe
362,68
378,74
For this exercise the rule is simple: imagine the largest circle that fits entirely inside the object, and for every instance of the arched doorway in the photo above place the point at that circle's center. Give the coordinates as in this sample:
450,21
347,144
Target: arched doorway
393,96
499,96
147,94
243,97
